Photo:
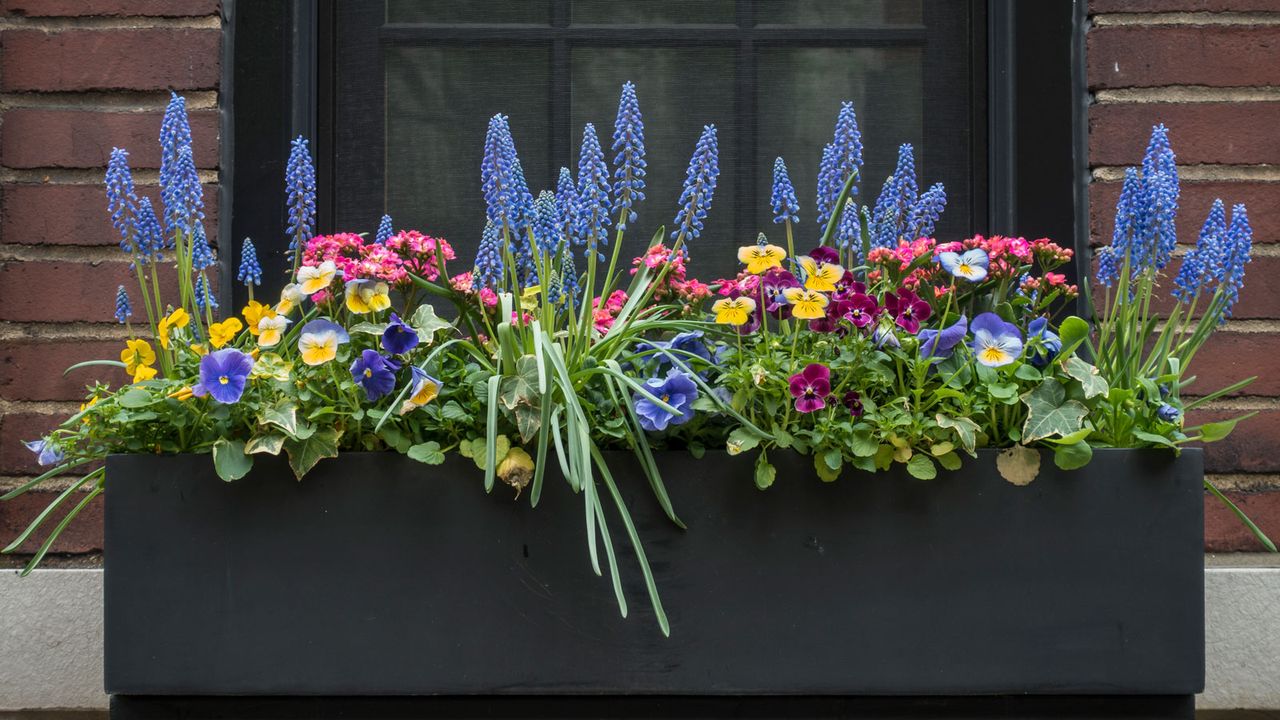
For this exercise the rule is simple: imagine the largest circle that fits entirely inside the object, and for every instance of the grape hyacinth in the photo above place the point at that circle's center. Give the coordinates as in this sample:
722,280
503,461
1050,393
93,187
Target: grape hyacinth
506,194
179,181
629,162
124,309
842,159
488,266
566,289
1205,262
385,231
785,204
147,234
122,200
204,297
1159,167
848,233
1145,230
300,188
593,192
699,186
1240,248
250,272
201,253
897,198
546,228
926,212
567,207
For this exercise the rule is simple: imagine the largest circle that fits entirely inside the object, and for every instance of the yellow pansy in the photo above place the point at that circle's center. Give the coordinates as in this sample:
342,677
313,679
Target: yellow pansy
290,297
271,328
85,406
253,312
184,393
820,276
137,353
759,258
806,304
143,372
199,348
319,340
224,332
312,280
173,321
423,390
733,311
367,296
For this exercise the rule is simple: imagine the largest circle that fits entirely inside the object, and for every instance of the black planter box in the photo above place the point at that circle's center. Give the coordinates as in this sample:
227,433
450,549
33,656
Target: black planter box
377,575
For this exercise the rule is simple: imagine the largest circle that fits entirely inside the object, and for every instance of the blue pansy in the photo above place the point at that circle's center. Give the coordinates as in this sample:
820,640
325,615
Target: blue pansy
47,453
940,344
995,342
223,374
375,373
398,338
971,264
1038,333
676,390
1168,413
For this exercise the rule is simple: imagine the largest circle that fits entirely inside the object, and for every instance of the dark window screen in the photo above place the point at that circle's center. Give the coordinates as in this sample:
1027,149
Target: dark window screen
414,83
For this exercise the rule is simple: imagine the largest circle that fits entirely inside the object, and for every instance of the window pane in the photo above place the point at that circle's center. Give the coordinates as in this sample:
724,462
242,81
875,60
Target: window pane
844,13
653,11
468,11
679,91
439,101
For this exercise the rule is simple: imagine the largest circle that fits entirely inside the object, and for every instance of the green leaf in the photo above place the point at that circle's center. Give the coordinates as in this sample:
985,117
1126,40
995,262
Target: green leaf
453,411
1253,528
861,443
230,460
1072,438
1091,382
270,443
1019,464
135,398
1002,391
1050,413
921,467
697,449
427,452
825,472
368,328
741,440
1073,456
425,321
833,458
283,415
1215,431
1154,439
394,439
950,461
520,398
1027,372
966,430
1072,331
304,454
765,473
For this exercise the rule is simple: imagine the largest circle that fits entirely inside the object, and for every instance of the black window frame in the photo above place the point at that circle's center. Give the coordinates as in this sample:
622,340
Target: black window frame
278,83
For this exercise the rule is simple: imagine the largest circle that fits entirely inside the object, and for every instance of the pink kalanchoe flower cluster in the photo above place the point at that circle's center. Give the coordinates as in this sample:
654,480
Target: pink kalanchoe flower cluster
897,260
417,252
675,284
1050,282
603,317
1007,256
354,258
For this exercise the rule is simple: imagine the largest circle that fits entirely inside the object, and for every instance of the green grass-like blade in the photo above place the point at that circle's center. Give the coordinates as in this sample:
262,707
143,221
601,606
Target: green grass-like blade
48,542
48,510
491,434
23,488
613,560
1253,528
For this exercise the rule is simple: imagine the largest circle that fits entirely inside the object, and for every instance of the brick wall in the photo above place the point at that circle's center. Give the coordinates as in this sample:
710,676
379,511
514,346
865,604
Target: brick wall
76,78
79,76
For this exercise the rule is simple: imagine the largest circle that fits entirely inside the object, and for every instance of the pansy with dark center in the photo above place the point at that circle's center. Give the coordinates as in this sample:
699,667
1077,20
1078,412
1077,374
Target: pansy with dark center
398,338
861,310
223,375
811,387
375,373
907,310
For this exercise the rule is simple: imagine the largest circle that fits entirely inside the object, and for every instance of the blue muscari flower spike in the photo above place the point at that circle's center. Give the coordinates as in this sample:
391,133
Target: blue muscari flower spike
385,231
1160,171
122,200
250,271
300,188
629,162
506,194
203,296
179,182
896,200
201,254
1145,228
568,280
843,160
593,192
699,186
567,207
1204,263
488,266
147,234
926,212
848,232
1239,244
785,204
124,309
546,229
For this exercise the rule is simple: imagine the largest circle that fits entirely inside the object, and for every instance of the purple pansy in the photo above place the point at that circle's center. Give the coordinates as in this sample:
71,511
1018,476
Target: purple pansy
939,344
223,374
398,338
375,373
676,390
811,387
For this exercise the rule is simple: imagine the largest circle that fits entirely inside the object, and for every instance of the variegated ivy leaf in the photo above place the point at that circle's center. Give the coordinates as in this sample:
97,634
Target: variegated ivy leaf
1049,412
1092,383
966,430
426,322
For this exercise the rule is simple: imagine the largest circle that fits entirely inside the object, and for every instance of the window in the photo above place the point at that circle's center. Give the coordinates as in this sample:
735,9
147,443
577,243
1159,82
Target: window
397,94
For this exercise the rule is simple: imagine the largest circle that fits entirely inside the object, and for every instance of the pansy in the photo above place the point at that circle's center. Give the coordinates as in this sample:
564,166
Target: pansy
853,403
1165,412
1048,342
47,453
941,343
143,373
830,322
253,312
733,311
971,264
772,284
398,338
173,321
375,373
820,276
365,296
825,254
271,328
224,332
806,304
291,296
422,389
677,390
319,339
759,258
907,310
223,374
314,278
883,336
811,387
861,310
995,342
137,353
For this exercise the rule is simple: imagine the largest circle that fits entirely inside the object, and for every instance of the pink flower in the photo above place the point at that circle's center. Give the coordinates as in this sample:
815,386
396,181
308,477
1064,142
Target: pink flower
488,297
811,387
853,402
907,309
861,310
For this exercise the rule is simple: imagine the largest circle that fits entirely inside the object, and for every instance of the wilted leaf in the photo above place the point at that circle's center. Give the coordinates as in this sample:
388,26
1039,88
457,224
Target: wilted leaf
741,440
1019,464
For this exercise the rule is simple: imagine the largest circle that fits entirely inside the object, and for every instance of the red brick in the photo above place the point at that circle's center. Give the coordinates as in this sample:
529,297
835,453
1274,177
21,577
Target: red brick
1217,132
1223,531
1262,199
72,214
1249,449
1229,357
33,138
1150,56
83,535
32,370
30,291
15,428
139,59
78,8
1129,6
